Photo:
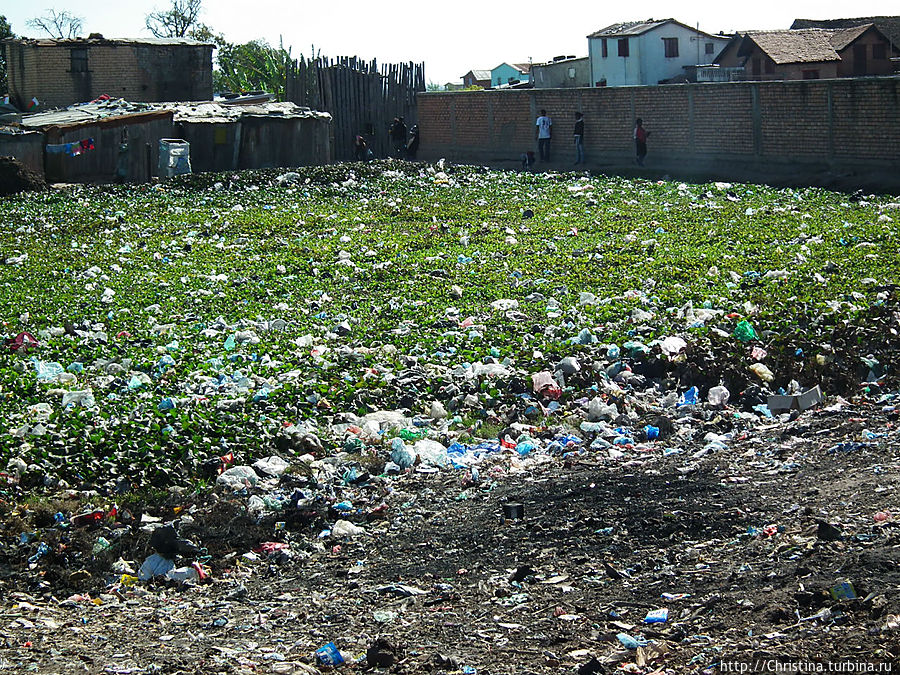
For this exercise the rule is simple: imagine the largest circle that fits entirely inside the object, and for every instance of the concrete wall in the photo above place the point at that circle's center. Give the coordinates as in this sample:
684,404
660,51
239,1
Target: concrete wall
556,75
134,71
647,62
723,128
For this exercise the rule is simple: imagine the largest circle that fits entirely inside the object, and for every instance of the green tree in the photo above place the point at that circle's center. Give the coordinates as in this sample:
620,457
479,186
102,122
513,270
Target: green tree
204,33
60,25
5,32
175,22
252,66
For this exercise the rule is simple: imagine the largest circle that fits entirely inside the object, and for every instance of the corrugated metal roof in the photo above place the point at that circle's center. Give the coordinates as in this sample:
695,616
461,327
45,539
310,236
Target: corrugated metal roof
480,74
629,28
522,67
207,112
101,41
634,28
84,113
561,61
217,113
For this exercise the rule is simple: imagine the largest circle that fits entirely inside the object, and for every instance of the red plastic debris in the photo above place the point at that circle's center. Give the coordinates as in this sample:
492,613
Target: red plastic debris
24,341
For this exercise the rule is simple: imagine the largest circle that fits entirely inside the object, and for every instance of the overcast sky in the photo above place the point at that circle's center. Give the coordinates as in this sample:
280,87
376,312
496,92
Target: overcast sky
450,37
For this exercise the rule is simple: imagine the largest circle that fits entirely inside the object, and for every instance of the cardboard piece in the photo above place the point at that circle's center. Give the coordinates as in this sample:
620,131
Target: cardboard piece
801,402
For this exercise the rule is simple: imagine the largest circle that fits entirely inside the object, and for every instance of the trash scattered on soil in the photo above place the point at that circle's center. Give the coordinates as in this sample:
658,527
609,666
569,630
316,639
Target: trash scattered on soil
446,419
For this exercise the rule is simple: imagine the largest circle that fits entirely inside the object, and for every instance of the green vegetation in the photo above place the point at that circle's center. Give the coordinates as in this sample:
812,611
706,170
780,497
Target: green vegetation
206,313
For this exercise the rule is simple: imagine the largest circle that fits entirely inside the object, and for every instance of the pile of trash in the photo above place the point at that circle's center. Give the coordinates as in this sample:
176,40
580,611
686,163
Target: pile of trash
15,177
290,421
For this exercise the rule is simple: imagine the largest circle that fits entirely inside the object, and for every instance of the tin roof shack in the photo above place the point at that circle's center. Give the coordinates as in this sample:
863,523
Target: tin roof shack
226,137
124,138
562,72
59,72
25,146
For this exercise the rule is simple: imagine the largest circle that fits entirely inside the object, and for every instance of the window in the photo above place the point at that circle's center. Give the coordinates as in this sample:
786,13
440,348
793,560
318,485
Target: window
623,47
710,48
671,47
879,52
810,74
603,46
756,66
770,66
78,60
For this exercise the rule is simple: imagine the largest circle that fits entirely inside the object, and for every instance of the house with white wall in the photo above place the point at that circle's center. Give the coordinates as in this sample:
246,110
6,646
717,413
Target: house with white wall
648,52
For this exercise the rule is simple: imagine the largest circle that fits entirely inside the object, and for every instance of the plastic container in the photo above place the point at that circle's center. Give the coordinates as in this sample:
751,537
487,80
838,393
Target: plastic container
329,655
174,157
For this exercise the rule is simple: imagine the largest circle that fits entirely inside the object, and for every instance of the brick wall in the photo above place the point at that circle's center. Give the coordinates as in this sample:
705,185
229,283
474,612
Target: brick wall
827,124
134,71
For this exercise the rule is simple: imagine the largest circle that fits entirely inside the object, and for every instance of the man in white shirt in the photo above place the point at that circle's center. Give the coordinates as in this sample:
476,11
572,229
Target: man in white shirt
542,132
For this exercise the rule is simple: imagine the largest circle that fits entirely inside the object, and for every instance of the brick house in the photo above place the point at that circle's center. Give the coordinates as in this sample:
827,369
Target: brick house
809,54
477,78
888,25
59,72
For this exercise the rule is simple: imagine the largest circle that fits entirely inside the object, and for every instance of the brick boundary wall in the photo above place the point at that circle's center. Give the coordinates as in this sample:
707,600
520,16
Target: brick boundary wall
747,130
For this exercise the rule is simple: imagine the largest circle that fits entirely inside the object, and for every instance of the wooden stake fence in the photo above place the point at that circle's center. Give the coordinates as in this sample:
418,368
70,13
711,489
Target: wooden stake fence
361,98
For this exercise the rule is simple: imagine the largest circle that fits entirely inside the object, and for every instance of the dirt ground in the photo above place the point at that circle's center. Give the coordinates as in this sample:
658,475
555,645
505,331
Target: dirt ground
15,177
747,541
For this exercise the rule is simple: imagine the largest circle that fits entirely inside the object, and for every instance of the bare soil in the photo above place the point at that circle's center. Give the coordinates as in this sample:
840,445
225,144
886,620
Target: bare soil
441,583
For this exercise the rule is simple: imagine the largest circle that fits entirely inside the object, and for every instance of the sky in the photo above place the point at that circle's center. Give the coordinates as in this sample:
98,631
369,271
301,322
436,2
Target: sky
451,38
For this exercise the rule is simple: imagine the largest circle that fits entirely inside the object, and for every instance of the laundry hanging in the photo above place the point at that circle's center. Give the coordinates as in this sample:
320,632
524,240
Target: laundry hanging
72,149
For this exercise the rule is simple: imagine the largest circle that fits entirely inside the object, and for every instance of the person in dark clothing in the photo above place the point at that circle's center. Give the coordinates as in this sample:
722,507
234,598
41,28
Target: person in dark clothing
361,149
579,138
527,160
398,136
640,140
413,146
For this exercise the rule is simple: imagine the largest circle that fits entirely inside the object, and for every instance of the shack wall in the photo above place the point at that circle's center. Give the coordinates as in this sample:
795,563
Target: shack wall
100,164
26,147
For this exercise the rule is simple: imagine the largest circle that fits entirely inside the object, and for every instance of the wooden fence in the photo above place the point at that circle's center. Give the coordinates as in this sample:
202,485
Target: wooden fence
361,98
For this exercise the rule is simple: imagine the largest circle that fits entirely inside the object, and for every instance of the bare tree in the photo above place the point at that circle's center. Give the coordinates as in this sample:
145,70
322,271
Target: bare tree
177,21
57,24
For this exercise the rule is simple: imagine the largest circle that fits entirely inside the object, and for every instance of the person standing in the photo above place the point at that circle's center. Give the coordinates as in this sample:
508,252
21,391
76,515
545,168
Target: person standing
579,138
640,140
413,146
361,149
542,132
398,137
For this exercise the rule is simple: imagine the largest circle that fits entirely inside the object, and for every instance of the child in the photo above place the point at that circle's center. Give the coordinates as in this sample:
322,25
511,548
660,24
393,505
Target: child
527,160
640,140
579,138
